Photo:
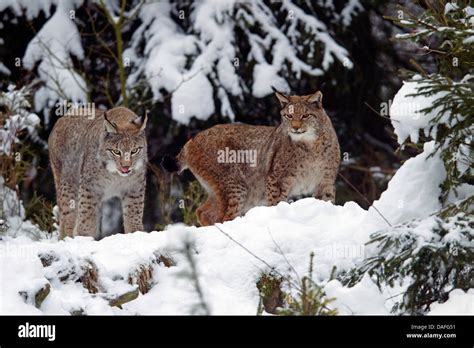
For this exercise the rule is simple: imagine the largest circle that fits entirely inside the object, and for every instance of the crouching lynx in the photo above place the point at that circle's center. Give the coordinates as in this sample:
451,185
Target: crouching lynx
242,166
94,159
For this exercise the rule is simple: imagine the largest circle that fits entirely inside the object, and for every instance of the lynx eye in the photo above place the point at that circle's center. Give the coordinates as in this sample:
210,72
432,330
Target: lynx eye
289,116
115,152
135,151
306,116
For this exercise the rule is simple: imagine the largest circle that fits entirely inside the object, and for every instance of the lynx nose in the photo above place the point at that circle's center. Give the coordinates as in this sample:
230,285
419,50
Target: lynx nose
296,125
125,169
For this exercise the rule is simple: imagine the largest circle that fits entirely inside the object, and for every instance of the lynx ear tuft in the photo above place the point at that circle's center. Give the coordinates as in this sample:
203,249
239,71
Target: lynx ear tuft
109,126
141,122
284,99
316,98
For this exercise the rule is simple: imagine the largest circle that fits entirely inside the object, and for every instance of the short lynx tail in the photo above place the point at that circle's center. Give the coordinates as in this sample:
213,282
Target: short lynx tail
170,164
175,164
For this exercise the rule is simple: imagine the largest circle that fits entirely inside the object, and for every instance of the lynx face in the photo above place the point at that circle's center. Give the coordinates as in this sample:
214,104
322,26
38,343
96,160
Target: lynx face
124,148
301,115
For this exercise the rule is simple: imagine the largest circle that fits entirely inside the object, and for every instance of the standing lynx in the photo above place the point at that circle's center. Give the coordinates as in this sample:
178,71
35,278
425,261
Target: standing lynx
242,166
94,159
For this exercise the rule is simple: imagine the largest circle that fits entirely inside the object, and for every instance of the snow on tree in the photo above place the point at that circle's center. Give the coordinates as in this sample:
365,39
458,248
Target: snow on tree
50,53
429,252
52,48
18,122
198,57
442,102
19,119
193,51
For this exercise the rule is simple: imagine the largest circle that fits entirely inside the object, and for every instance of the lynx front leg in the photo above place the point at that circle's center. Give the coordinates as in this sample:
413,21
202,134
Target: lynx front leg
236,195
327,188
132,205
67,210
278,189
327,192
87,215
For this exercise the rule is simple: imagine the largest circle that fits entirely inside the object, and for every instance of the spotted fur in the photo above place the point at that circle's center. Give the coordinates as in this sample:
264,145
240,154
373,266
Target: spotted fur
96,158
299,157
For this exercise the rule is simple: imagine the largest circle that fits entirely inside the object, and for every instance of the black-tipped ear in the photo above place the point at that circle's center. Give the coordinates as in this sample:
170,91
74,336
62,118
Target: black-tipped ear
284,99
142,128
141,122
316,98
109,126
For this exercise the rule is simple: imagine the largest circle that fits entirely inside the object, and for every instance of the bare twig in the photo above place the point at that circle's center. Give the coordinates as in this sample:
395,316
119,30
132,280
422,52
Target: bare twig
379,114
364,198
195,277
259,259
283,254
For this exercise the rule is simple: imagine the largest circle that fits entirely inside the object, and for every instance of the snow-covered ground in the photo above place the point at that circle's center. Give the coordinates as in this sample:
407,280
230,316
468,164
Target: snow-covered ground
230,258
283,235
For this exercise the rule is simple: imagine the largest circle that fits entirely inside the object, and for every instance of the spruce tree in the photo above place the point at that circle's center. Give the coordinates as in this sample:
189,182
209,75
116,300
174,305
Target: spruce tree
430,257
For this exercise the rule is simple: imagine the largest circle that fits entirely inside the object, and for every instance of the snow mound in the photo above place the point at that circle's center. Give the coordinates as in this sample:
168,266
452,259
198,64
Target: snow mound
363,298
226,270
412,193
459,303
228,256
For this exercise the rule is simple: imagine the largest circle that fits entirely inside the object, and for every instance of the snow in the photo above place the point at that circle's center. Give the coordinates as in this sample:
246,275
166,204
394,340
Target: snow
193,98
409,121
363,298
449,7
14,125
191,67
405,112
3,69
180,60
265,76
225,269
51,48
30,8
468,40
352,7
459,303
280,235
167,50
19,119
20,271
410,193
331,47
200,62
11,206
